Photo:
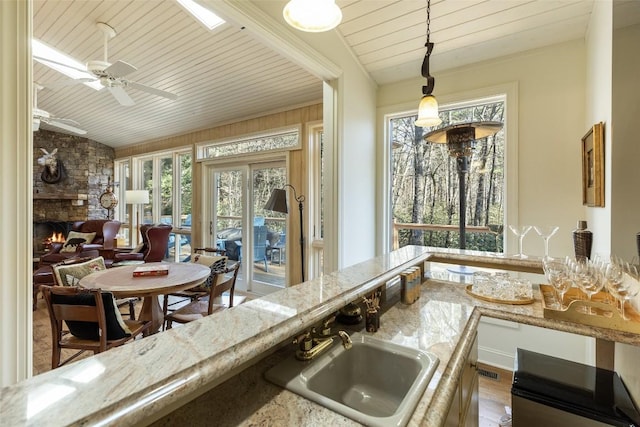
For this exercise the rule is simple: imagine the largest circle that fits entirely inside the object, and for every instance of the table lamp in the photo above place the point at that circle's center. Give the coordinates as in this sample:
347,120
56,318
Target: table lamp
135,198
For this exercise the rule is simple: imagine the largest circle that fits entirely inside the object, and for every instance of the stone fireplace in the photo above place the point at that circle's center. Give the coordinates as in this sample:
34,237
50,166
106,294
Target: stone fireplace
89,167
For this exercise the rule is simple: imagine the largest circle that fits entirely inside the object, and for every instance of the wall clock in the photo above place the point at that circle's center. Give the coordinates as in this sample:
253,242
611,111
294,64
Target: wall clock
108,200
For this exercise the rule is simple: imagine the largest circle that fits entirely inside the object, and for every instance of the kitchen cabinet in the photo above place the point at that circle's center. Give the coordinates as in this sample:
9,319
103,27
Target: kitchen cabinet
464,407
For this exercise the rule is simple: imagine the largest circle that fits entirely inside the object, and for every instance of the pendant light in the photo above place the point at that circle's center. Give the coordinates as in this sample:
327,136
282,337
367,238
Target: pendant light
313,16
428,109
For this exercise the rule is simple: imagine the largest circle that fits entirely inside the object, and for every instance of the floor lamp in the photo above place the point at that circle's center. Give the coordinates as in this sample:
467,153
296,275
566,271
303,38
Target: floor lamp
278,203
459,139
135,198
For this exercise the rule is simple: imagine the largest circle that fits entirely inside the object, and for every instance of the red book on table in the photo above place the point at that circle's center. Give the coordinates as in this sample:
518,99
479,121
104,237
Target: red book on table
151,270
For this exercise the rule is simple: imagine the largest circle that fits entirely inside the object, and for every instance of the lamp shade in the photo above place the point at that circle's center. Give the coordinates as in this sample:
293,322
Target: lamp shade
136,197
278,201
428,112
313,16
470,131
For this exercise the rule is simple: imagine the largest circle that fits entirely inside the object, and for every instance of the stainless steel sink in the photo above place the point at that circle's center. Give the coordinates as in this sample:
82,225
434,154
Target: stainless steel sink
376,382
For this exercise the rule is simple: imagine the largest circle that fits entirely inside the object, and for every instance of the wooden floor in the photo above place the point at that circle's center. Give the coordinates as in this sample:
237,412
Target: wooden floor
495,394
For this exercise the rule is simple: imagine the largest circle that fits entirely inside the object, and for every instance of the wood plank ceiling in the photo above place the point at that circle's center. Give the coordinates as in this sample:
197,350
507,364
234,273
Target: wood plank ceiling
224,75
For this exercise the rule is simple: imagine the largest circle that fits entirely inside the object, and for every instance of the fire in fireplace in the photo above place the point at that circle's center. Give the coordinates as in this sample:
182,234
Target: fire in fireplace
47,232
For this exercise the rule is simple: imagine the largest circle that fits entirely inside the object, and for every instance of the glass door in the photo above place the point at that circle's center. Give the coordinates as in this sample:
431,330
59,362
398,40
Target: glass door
269,229
240,225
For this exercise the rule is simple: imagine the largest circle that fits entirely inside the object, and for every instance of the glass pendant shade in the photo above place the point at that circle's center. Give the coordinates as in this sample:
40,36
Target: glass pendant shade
313,16
428,112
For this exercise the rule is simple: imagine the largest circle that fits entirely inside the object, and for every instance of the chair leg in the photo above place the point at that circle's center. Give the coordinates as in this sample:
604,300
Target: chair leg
132,310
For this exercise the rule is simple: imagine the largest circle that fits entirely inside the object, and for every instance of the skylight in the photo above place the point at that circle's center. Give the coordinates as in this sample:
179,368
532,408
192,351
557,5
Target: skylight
62,63
202,14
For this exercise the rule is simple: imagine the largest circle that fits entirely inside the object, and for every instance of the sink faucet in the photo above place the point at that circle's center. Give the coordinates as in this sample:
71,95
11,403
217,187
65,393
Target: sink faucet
312,343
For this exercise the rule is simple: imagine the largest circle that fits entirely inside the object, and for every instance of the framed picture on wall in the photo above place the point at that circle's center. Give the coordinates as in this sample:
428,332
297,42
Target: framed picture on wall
593,166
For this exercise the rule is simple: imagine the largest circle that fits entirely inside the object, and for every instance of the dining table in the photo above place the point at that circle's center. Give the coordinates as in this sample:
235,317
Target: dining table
122,283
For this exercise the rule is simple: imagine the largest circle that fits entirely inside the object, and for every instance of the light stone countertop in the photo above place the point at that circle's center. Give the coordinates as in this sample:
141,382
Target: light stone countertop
443,321
146,380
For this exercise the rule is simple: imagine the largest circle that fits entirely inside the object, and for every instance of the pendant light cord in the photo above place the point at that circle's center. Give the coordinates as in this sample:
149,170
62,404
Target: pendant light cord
426,90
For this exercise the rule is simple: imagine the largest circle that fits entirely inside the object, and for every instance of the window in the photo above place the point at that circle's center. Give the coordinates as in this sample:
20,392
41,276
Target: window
424,181
278,140
167,177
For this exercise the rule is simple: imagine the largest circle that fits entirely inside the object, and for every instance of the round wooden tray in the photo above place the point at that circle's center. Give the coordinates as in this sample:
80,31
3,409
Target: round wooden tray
498,301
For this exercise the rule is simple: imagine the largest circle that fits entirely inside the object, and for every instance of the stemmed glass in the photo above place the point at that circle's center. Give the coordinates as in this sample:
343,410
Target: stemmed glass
520,231
588,278
546,232
557,273
622,285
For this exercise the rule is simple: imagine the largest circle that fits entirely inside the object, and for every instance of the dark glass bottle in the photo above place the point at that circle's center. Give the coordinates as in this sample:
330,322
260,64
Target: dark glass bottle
582,241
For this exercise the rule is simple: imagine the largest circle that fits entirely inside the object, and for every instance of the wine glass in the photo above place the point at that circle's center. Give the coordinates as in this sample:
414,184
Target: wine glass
546,232
556,273
588,278
520,231
621,285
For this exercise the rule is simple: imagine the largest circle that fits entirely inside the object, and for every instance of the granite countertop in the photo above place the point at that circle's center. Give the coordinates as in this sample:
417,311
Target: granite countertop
221,358
443,321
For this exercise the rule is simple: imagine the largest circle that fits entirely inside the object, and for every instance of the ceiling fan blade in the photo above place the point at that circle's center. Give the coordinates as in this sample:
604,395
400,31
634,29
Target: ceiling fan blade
46,61
153,90
64,83
61,125
121,95
119,69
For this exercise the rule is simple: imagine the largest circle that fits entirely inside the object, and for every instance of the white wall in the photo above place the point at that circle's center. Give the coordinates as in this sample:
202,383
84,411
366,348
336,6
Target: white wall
350,197
624,143
550,121
598,109
625,203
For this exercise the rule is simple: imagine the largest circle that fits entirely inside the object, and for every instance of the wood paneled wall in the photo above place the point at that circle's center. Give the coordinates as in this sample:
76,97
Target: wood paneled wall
298,168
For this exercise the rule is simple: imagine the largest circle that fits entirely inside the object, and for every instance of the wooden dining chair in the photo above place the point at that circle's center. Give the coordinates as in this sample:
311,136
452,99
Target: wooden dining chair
70,271
213,258
223,281
92,321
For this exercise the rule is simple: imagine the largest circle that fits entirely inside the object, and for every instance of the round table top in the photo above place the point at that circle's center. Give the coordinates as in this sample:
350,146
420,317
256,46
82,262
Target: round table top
120,280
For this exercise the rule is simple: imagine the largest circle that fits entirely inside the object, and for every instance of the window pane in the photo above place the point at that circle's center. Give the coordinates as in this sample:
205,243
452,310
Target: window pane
185,190
425,187
166,190
147,176
254,145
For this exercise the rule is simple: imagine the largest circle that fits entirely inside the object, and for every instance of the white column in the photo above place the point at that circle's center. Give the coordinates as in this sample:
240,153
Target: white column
16,159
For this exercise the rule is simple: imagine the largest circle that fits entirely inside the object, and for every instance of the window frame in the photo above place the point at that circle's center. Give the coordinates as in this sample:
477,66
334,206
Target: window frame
509,91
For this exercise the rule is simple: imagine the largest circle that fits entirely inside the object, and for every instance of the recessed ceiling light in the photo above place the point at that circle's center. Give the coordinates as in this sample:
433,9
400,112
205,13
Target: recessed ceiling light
202,14
56,60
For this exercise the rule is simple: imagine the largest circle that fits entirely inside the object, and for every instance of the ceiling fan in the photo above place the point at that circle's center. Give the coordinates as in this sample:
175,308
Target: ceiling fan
41,116
111,76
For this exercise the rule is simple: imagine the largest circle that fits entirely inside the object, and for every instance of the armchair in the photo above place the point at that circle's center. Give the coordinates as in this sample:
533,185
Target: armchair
155,241
102,234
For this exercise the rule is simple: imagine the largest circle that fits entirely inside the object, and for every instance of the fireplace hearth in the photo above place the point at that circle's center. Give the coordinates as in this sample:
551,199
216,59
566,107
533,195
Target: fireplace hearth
44,230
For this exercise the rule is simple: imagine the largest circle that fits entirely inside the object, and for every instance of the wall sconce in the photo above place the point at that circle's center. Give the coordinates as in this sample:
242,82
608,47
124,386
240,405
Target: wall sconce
278,203
312,16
